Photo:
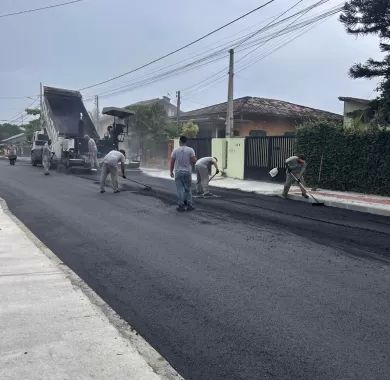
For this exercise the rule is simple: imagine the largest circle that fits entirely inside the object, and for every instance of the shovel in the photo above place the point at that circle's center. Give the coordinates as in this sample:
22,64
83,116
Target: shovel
146,187
316,201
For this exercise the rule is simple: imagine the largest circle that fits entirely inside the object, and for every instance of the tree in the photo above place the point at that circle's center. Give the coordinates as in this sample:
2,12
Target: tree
33,111
33,125
149,126
365,17
8,130
189,129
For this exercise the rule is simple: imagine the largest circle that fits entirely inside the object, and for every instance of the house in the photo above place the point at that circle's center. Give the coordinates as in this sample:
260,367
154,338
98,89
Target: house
354,109
256,117
165,102
16,139
23,148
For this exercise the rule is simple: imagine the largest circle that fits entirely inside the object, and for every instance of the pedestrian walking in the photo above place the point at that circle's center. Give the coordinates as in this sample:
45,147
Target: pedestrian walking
92,153
110,166
182,159
11,154
203,170
296,166
47,155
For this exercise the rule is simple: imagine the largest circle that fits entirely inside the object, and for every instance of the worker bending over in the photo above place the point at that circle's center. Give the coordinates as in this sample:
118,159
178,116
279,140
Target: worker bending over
92,153
110,165
47,155
203,169
296,166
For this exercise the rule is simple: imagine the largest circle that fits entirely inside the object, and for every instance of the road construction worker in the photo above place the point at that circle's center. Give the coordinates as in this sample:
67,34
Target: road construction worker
203,169
182,159
92,153
110,165
296,166
46,157
11,154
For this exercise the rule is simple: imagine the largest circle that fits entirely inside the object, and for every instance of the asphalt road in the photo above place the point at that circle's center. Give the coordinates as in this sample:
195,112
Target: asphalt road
245,287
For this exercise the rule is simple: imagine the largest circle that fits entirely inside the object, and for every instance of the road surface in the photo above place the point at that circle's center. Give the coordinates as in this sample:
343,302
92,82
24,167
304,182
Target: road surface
245,287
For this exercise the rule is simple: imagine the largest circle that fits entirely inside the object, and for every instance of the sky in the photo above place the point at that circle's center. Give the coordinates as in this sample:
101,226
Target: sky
88,42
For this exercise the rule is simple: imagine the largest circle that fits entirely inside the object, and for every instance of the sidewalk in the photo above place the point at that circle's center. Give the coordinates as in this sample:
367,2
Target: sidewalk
373,204
53,326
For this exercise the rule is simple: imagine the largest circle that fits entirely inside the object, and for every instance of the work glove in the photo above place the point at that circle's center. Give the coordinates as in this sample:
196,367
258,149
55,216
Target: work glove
172,175
217,172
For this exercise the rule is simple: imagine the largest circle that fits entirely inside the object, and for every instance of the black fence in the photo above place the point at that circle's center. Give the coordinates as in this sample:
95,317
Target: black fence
201,146
265,153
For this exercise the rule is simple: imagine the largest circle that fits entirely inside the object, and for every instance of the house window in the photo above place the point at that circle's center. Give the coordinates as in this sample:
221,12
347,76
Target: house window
258,132
236,133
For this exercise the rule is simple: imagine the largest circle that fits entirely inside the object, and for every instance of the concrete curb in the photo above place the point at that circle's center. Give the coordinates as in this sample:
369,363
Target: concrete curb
156,362
330,203
352,207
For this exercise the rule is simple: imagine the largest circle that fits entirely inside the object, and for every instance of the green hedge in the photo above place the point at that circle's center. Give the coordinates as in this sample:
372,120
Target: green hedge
353,161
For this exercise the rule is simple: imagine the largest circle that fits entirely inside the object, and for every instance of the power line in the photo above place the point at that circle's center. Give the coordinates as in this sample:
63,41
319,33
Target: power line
321,2
255,43
306,26
39,9
20,114
215,56
277,18
179,49
15,97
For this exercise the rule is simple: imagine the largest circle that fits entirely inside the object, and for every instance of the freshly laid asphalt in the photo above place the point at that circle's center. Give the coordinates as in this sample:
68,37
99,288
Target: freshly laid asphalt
244,287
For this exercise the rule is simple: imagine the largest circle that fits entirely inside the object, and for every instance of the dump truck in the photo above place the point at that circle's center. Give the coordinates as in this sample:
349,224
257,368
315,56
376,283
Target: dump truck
65,121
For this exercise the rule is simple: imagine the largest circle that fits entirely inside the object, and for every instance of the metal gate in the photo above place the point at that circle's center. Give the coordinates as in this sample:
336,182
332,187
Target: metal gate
265,153
201,146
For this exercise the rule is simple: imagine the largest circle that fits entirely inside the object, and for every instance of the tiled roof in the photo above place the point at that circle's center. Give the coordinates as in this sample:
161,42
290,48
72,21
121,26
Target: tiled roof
265,107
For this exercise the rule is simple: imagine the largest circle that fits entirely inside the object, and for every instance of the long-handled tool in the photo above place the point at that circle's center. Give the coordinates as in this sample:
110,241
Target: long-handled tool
146,187
212,177
317,202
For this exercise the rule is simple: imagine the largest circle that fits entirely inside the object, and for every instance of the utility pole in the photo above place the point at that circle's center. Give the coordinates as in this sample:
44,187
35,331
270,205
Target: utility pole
41,105
229,114
178,109
97,116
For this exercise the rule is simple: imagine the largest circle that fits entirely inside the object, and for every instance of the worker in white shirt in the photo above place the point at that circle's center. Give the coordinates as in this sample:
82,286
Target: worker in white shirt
110,165
296,167
92,153
203,169
47,155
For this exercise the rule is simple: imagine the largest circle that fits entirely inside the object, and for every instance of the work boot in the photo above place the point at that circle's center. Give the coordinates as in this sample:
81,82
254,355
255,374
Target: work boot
47,173
102,191
190,208
116,191
180,208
